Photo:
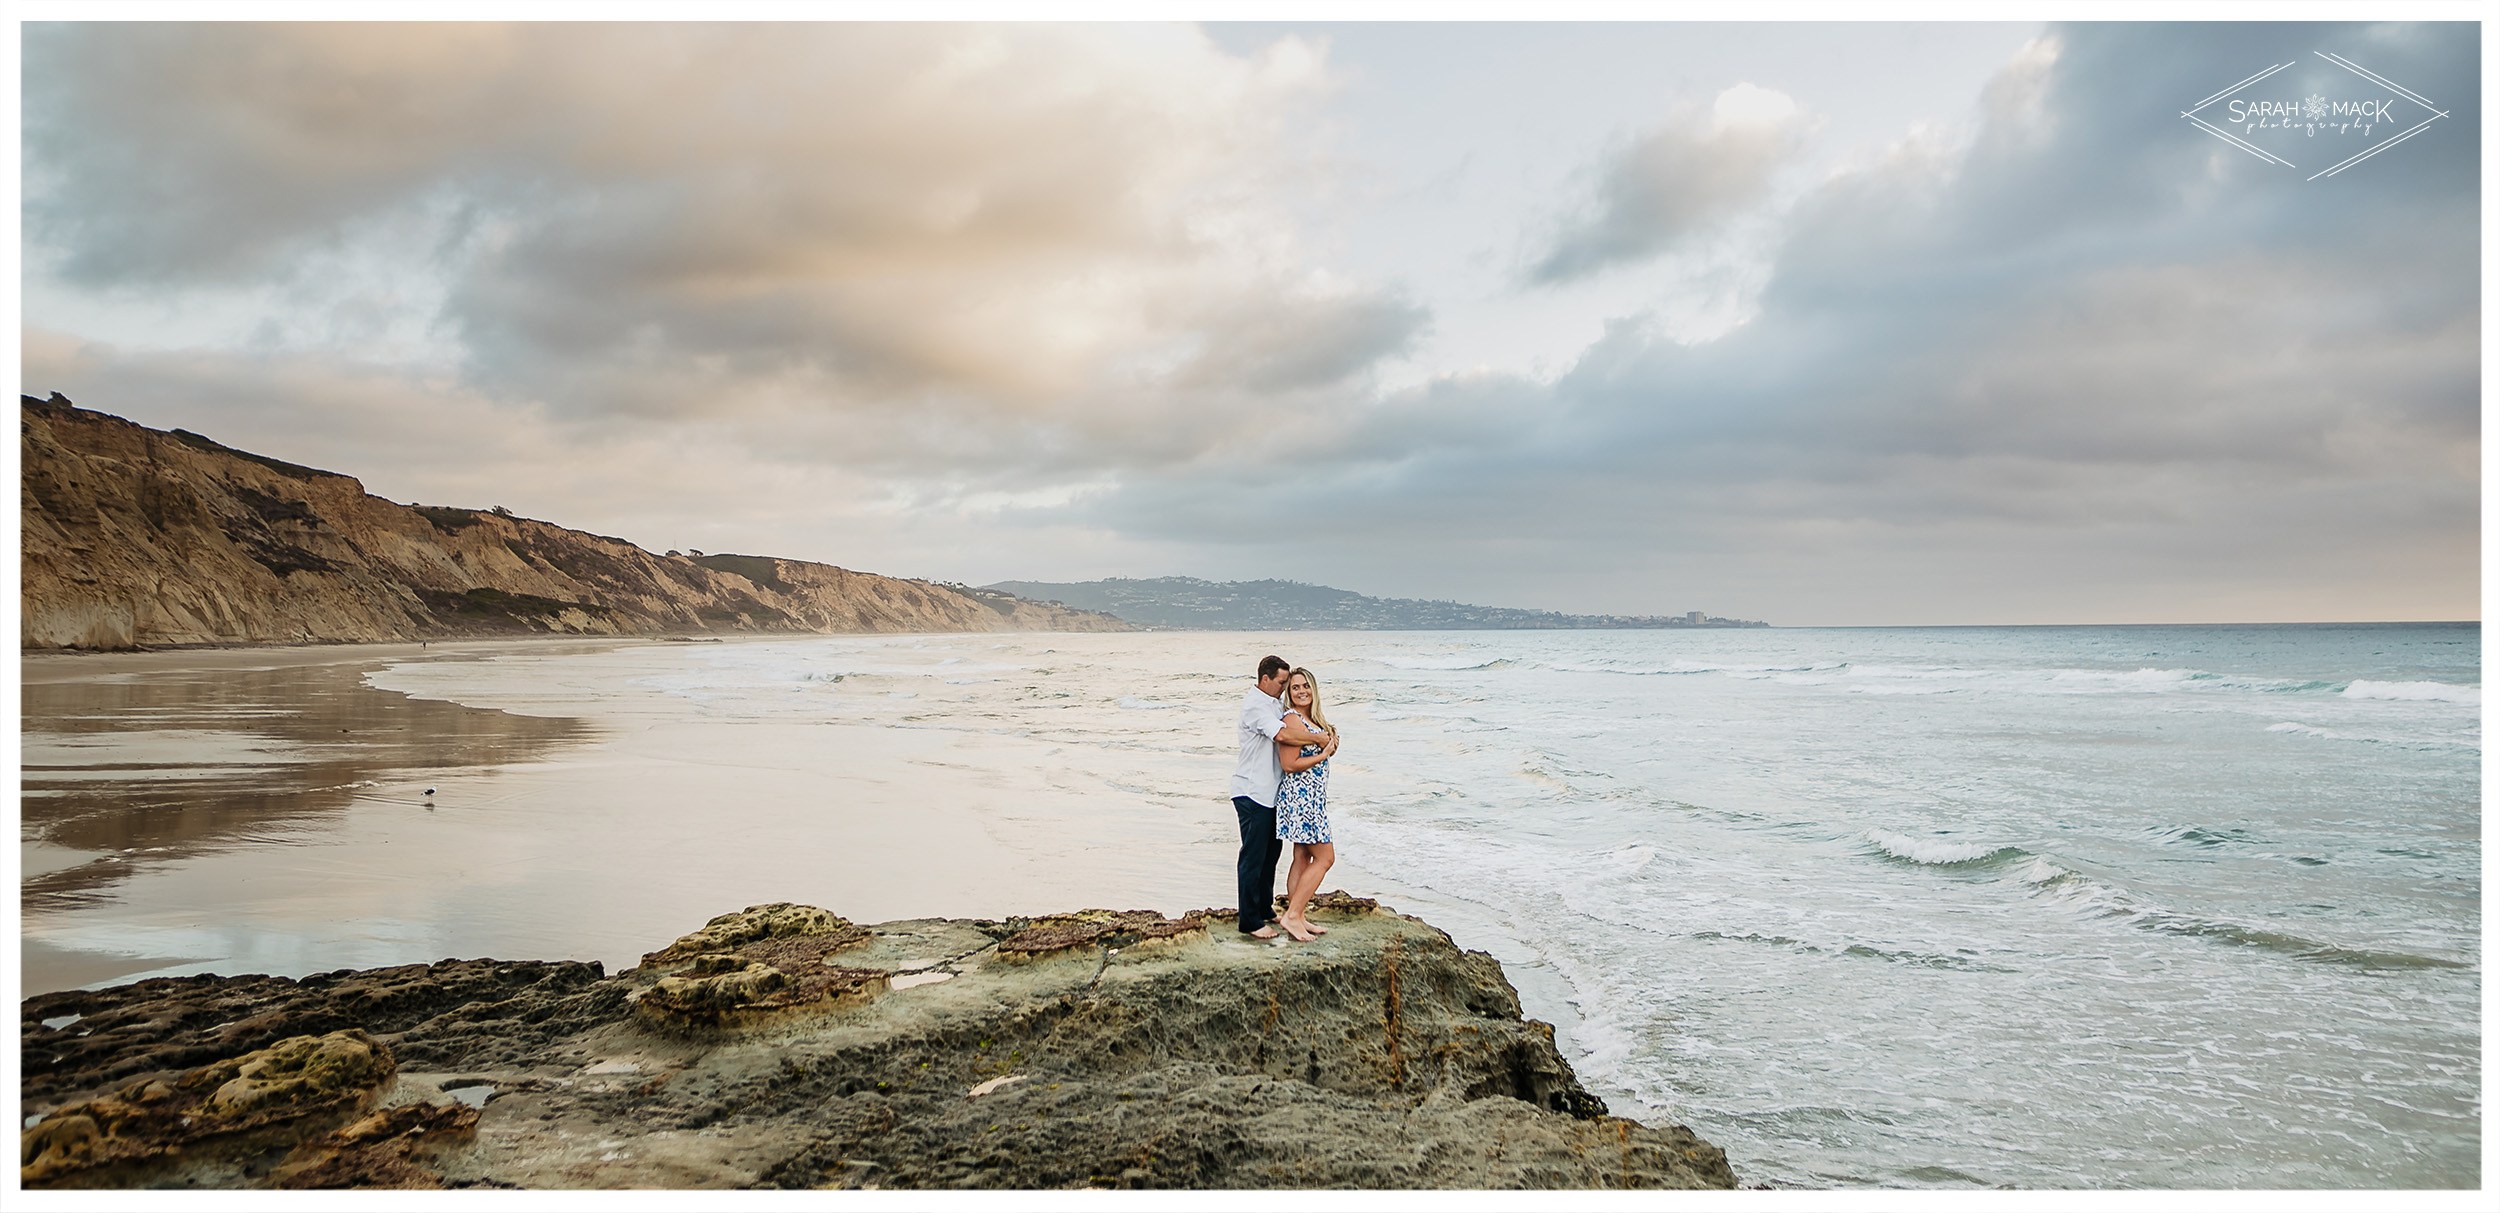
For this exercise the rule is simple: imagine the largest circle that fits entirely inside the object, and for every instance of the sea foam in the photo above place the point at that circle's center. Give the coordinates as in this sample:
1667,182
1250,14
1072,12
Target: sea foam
1938,852
2442,692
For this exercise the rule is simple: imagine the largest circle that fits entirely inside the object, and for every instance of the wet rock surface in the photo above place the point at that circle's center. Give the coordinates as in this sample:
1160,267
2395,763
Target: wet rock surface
1031,938
1110,1049
765,924
83,1039
761,962
213,1119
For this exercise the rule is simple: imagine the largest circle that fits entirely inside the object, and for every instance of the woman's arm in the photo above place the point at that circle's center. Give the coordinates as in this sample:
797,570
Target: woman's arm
1289,753
1294,760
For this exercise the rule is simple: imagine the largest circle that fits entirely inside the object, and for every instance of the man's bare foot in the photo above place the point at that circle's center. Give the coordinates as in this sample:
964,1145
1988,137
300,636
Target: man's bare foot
1264,933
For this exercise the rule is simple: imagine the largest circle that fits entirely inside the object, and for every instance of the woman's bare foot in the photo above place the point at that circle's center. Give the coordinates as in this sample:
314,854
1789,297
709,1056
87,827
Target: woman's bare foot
1300,931
1313,927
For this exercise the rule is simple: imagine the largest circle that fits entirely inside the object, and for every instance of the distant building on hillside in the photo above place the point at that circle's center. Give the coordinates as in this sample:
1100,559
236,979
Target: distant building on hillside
1694,618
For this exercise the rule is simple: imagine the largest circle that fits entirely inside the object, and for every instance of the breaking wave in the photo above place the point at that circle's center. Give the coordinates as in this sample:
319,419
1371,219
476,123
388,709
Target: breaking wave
1445,665
2104,900
1941,852
2441,692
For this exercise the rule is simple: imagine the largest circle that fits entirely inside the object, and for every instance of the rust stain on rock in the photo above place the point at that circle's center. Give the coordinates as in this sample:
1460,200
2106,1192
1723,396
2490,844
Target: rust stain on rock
384,1150
1085,928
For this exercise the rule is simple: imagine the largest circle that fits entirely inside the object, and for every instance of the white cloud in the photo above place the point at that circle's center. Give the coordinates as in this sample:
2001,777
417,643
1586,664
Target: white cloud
1030,238
2035,373
1046,302
1699,168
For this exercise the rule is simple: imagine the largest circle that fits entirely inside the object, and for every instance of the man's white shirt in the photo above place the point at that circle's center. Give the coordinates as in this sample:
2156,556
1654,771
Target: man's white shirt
1262,717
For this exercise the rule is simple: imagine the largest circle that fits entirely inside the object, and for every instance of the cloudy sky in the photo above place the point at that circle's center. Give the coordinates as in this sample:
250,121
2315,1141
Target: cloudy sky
1816,323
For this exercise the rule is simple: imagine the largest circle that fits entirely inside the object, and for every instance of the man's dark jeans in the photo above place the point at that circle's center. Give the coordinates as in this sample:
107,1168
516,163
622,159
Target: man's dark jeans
1260,849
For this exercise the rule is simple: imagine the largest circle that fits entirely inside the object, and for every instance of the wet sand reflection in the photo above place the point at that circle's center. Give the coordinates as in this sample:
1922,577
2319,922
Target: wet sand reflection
130,768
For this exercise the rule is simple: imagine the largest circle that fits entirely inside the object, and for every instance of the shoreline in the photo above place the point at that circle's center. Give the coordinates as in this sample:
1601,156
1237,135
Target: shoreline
61,665
138,766
1057,844
965,845
302,773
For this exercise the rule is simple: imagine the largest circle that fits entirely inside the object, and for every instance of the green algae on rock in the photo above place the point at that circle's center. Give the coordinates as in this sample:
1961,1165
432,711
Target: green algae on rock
297,1087
734,991
756,924
759,963
1382,1056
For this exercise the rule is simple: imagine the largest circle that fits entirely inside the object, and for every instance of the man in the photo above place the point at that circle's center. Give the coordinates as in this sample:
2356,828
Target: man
1254,793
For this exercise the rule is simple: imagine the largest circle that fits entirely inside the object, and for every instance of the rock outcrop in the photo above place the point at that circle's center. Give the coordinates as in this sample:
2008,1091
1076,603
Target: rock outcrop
138,537
1107,1049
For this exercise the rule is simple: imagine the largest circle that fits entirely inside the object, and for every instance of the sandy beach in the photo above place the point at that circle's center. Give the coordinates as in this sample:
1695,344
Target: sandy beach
265,810
44,667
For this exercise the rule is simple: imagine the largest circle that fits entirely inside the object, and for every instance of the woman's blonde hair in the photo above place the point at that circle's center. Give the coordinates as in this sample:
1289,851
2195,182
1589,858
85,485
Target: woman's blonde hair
1317,717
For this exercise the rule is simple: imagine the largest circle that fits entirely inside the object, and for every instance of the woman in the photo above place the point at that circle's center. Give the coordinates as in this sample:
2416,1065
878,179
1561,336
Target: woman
1302,806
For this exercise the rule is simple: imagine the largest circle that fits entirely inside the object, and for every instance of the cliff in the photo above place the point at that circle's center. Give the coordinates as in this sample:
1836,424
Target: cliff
785,1047
138,537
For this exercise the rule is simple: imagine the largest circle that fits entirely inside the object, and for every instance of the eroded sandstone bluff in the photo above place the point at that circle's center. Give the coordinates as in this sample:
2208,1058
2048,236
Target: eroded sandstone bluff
782,1046
139,537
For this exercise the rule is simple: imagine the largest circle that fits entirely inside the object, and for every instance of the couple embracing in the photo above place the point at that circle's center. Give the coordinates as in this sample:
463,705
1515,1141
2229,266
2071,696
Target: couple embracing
1280,793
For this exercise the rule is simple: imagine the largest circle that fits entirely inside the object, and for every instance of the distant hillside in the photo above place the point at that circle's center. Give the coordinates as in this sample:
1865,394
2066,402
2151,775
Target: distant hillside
131,536
1186,602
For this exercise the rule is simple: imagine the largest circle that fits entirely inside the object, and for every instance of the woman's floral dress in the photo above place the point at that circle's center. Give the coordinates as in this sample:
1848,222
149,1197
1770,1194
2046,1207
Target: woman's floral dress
1302,798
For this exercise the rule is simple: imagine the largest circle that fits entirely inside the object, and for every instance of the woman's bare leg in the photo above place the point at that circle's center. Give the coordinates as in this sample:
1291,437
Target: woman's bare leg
1298,896
1323,857
1311,861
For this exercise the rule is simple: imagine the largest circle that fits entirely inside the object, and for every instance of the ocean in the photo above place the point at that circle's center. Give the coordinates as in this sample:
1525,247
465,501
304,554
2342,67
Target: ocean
2048,907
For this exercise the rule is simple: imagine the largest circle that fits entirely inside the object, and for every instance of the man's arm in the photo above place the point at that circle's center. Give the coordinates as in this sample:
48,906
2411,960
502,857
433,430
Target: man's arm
1293,759
1281,727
